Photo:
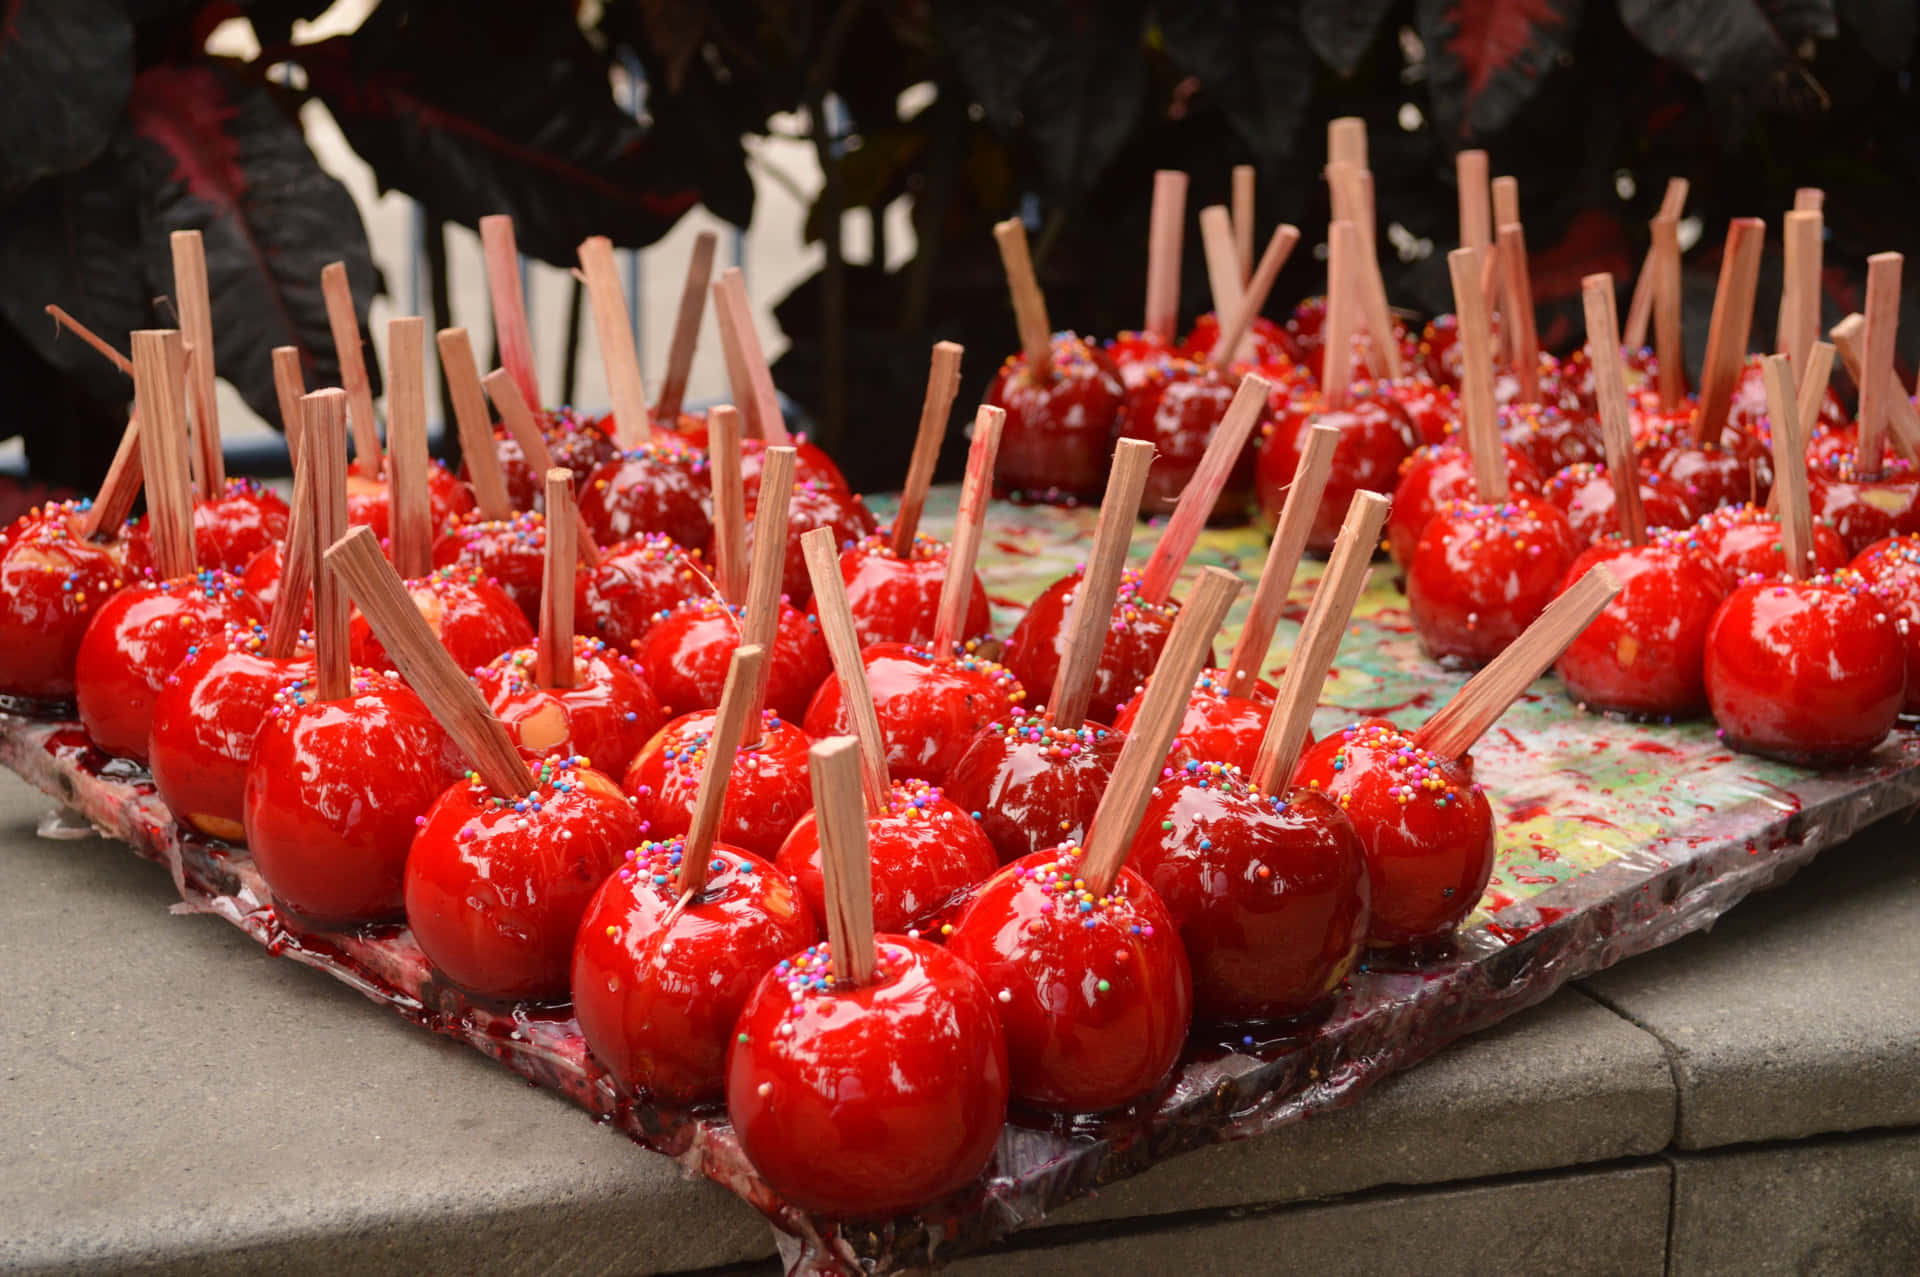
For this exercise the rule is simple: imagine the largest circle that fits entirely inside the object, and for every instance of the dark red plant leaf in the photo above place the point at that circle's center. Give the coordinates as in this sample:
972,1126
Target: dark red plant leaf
502,107
217,155
1341,31
65,67
1250,58
1486,58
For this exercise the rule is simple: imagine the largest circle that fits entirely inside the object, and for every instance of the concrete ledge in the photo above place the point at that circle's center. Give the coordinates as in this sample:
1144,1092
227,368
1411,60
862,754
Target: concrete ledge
1848,1206
1797,1015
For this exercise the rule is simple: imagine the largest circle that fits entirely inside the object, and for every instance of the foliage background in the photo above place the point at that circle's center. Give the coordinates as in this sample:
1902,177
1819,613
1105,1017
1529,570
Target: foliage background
116,127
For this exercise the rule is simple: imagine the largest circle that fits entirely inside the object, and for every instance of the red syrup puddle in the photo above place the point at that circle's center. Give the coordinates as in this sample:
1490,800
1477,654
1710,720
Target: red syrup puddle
1532,811
1653,747
1013,548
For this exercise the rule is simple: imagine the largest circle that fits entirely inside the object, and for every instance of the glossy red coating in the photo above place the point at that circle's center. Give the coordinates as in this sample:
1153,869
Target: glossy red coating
897,600
261,580
1708,478
1138,355
472,617
1175,406
1094,992
1892,568
1433,409
1217,725
136,640
328,829
1307,329
814,505
868,1101
246,519
1864,510
509,552
1811,672
810,464
1270,895
768,790
496,887
1425,824
1584,493
605,717
1643,655
662,486
1058,434
1375,437
367,501
1272,344
685,657
659,983
929,710
1550,439
1435,476
1033,785
1480,574
579,442
52,581
1139,630
927,854
1744,540
637,581
204,720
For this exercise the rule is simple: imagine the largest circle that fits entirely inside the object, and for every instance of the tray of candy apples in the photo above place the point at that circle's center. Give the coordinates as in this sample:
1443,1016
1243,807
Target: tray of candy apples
910,887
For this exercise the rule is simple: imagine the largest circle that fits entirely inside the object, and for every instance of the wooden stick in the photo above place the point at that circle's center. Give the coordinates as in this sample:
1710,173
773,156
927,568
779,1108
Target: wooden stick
1669,332
475,424
1166,236
1815,375
1029,303
451,697
1517,279
1370,288
730,299
196,327
1798,326
844,857
686,330
289,385
1224,451
324,443
1640,309
119,490
1476,207
1848,337
1506,208
943,385
1616,423
1791,504
1092,611
1320,635
1473,709
1169,688
517,416
1809,199
62,319
1347,141
297,555
613,328
345,323
835,614
1234,330
408,493
760,623
744,669
976,491
1244,185
1283,559
1336,347
159,386
729,504
1476,380
510,331
1878,384
1223,268
553,664
1730,327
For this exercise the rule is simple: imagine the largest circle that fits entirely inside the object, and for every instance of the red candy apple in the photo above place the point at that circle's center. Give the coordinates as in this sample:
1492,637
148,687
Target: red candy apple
684,657
768,788
605,716
895,600
473,618
52,581
929,709
1031,783
1480,574
1644,655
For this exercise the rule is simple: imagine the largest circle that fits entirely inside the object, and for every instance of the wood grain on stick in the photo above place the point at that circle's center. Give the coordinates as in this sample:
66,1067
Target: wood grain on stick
1640,309
553,657
297,556
1091,613
1320,635
510,330
324,440
1336,351
408,492
1169,688
1517,282
845,867
1029,304
730,299
350,351
1812,391
1244,183
1791,503
427,667
1476,376
760,619
475,423
943,385
744,668
1798,326
1476,199
1235,328
729,504
1166,238
99,344
1878,383
159,387
1473,709
1223,268
1902,418
1669,332
613,329
517,416
835,614
119,490
1297,513
1731,326
195,303
1225,448
1610,386
686,330
969,525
